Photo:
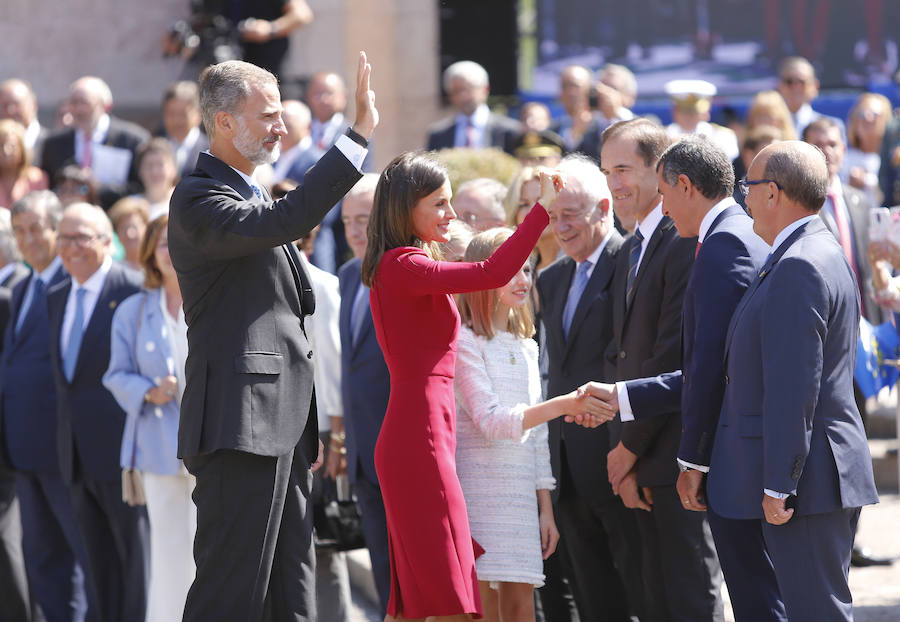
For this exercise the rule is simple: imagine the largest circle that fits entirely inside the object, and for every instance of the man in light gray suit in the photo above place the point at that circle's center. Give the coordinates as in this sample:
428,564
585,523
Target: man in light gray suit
248,421
790,465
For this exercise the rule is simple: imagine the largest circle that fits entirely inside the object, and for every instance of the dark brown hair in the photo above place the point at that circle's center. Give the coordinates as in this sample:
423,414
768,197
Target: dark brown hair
407,179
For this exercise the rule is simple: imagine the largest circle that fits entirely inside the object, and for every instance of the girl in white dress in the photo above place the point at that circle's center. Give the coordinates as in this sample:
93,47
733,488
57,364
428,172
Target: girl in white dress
502,453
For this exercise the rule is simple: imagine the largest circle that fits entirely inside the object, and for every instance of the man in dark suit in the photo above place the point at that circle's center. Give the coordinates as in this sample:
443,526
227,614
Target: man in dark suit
54,551
96,140
575,296
181,124
790,461
365,383
578,123
696,182
247,416
681,571
474,125
89,420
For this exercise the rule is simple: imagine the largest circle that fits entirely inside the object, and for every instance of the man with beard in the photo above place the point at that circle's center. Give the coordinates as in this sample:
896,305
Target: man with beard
248,424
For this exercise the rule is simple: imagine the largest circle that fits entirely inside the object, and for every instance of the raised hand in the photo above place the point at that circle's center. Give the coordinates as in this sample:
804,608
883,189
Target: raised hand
366,113
551,185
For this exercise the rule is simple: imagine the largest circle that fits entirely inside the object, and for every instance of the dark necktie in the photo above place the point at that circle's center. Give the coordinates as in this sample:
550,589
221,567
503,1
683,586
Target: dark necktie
634,256
358,313
37,299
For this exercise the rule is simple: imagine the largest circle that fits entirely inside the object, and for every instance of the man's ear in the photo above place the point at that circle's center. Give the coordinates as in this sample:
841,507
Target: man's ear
688,186
225,123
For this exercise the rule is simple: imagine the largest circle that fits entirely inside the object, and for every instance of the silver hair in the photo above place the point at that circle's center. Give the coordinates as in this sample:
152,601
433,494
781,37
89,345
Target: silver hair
469,70
365,185
95,215
40,200
225,87
489,188
629,82
584,178
98,86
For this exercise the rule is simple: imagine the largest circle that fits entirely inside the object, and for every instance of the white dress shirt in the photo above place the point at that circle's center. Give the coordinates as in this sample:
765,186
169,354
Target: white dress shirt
478,120
323,134
93,286
97,137
647,228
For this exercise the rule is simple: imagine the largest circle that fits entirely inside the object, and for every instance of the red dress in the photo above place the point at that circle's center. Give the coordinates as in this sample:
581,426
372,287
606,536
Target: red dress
416,323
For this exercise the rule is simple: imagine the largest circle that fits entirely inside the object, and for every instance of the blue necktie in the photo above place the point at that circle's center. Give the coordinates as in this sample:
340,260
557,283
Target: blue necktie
633,257
358,314
70,356
578,285
256,191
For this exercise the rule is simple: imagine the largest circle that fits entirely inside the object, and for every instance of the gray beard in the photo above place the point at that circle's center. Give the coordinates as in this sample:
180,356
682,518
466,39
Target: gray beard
255,152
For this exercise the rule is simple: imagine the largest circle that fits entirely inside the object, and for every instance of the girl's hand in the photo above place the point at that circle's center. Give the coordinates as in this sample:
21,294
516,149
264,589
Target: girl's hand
549,533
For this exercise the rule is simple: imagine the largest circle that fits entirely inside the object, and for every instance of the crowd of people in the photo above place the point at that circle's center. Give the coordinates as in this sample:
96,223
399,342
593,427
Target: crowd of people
587,393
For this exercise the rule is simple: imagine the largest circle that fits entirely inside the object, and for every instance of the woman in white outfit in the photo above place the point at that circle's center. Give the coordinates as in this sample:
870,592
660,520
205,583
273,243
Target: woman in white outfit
502,453
146,376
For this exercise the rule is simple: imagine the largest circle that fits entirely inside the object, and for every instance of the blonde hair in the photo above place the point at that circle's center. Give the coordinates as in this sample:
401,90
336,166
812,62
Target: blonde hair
881,101
772,104
477,308
514,194
14,130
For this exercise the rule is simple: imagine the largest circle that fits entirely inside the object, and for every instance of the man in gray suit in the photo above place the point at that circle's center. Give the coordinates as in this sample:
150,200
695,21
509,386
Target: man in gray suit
248,423
790,466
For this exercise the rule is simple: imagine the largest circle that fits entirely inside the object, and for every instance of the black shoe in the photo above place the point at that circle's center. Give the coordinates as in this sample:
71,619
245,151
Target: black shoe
860,558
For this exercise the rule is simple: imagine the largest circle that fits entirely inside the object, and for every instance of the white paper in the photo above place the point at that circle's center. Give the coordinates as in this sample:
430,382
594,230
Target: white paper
110,165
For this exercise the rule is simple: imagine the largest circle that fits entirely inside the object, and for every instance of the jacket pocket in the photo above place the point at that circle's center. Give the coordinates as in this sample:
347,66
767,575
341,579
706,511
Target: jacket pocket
750,426
259,363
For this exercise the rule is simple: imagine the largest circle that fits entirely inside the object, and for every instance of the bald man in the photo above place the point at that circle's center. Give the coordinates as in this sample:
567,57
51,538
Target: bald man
18,102
298,153
790,465
96,140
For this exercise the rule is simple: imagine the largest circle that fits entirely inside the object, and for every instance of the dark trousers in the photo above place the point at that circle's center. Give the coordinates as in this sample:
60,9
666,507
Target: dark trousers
116,541
682,579
748,570
374,524
13,584
603,544
54,551
554,601
254,545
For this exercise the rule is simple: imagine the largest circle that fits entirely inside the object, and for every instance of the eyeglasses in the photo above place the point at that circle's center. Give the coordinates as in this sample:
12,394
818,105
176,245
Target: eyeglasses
794,81
81,241
744,184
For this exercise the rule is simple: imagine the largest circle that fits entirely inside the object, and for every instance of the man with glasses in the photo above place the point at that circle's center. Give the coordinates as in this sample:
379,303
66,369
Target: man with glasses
89,420
799,86
479,203
790,464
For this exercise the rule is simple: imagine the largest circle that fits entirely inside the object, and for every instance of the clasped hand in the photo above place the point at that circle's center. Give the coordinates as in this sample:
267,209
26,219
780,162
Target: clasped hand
605,402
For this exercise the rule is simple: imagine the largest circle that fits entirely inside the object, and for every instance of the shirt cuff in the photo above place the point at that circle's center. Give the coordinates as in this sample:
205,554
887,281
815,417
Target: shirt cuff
776,495
625,412
352,151
691,465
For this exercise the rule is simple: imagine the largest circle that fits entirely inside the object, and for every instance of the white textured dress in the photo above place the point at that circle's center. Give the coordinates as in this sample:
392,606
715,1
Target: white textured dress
500,466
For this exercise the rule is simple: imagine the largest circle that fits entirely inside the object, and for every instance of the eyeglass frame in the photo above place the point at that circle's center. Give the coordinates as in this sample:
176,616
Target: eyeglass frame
79,241
744,184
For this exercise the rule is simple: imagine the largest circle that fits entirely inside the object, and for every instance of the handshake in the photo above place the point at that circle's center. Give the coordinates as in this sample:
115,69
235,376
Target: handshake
596,404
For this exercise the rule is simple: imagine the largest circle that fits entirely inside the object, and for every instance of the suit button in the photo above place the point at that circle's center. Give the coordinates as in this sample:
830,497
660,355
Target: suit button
309,354
622,354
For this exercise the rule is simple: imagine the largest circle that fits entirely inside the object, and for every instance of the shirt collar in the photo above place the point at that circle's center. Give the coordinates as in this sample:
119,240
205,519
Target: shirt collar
594,257
651,221
787,231
479,118
32,132
711,216
47,273
95,282
100,131
247,178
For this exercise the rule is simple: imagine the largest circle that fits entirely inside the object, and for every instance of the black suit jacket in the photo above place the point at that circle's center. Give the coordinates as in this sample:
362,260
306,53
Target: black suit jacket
647,341
576,360
499,133
59,151
365,381
249,371
89,420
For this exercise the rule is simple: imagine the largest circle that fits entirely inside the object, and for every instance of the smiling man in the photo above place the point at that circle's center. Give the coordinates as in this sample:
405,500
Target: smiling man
247,416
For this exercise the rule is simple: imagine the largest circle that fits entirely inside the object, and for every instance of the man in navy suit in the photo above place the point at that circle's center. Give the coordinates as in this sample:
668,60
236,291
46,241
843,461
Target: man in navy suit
365,383
696,182
790,460
52,544
89,420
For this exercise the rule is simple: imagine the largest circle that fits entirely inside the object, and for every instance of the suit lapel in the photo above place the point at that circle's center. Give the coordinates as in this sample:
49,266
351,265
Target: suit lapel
652,245
600,278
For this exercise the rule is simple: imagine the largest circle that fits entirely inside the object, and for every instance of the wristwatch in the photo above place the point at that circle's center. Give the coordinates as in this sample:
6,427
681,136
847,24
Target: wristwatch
356,137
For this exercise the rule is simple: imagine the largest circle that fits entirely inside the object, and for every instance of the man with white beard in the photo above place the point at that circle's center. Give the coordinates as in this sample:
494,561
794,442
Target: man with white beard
248,427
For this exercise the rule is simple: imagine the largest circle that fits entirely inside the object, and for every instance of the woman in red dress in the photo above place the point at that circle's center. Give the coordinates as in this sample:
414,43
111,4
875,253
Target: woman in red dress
416,323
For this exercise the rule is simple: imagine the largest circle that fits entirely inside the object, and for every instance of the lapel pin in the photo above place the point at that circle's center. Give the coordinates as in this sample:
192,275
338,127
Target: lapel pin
113,303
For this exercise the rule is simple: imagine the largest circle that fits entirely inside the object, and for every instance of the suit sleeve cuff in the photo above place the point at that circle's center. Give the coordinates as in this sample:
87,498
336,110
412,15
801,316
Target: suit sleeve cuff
776,495
625,412
691,465
352,151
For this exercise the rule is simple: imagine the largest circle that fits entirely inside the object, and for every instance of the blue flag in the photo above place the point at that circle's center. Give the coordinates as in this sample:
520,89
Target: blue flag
876,343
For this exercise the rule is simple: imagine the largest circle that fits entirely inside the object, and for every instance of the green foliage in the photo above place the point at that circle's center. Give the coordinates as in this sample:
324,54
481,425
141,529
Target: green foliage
466,164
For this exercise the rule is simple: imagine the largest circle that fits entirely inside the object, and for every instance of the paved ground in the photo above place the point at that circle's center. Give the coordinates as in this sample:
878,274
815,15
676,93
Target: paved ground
876,590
